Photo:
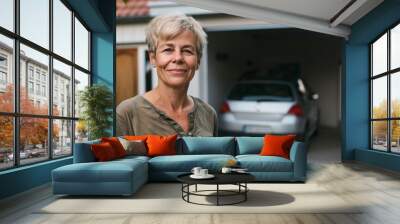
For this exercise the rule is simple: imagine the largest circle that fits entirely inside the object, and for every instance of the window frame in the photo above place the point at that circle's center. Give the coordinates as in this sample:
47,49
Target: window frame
388,74
16,115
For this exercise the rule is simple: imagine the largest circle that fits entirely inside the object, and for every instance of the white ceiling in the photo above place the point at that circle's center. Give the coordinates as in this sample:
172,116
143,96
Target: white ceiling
315,15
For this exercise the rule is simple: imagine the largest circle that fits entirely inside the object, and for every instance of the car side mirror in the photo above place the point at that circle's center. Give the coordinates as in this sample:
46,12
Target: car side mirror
315,96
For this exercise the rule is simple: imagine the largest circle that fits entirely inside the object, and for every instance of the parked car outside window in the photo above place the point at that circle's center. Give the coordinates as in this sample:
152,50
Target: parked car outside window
259,107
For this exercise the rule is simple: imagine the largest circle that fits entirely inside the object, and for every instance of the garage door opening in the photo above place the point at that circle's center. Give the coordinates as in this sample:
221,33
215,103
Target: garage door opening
315,58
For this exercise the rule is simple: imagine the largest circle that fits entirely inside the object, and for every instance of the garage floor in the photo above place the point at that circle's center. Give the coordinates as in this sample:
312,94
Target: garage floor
325,146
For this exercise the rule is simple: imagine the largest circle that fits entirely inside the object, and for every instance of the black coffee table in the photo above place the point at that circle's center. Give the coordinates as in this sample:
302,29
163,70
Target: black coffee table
238,179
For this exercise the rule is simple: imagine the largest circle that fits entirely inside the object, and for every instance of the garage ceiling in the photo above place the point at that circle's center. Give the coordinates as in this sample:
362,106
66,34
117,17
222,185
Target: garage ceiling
332,17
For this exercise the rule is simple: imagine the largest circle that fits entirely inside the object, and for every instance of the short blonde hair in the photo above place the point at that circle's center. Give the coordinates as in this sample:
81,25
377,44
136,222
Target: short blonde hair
167,27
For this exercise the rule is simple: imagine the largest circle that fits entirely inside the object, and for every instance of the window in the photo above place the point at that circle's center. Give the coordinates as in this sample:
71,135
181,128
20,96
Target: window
3,72
55,126
43,90
385,94
30,72
38,89
3,61
37,75
30,87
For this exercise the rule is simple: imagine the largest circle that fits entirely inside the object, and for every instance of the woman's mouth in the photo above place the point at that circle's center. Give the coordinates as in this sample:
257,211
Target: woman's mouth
177,71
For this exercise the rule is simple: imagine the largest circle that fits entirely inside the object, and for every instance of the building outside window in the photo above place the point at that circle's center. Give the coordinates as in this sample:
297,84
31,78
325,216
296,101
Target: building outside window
43,90
3,72
385,91
30,72
30,87
3,78
44,78
37,75
57,130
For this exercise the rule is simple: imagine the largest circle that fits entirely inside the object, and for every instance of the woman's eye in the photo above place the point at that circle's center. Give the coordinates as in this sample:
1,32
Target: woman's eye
167,50
187,51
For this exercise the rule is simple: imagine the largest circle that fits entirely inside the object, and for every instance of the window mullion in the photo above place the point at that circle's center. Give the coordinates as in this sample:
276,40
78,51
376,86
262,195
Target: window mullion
389,76
50,81
73,82
16,84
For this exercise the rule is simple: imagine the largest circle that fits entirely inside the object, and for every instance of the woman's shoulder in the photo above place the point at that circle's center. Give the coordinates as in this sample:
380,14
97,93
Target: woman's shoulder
130,104
203,106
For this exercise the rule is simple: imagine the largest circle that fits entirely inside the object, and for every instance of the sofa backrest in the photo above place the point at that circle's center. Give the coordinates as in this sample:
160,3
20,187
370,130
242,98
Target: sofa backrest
185,145
249,145
207,145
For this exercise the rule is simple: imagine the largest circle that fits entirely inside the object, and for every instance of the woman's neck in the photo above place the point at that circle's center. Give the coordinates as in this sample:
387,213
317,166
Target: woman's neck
170,99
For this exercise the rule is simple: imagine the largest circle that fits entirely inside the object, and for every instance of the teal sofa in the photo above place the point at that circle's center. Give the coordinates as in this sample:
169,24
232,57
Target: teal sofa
125,176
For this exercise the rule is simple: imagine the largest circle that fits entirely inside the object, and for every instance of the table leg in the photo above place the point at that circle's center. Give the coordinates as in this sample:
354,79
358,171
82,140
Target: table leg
245,191
217,194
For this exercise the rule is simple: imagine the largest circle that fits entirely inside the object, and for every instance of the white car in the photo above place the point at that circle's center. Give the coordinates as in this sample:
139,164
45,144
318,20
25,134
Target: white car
260,107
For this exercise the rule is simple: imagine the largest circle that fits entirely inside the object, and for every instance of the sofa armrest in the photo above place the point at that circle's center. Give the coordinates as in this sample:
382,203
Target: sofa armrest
298,155
83,152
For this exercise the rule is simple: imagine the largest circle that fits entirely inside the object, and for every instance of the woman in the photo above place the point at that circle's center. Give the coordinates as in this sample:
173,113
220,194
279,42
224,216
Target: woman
175,48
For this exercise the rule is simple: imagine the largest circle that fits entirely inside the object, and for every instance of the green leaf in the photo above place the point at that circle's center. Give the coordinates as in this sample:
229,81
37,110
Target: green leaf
96,102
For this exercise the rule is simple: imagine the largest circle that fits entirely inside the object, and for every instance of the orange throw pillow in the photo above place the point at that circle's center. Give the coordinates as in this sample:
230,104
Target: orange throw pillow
103,151
135,137
161,145
116,145
277,145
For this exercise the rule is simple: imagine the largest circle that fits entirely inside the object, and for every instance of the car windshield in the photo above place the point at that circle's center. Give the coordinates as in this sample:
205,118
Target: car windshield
261,92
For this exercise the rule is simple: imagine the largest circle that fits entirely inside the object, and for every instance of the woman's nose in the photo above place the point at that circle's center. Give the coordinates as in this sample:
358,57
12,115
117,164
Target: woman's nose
177,56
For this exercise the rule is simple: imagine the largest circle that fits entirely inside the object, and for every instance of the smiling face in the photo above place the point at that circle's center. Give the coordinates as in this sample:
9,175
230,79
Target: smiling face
176,60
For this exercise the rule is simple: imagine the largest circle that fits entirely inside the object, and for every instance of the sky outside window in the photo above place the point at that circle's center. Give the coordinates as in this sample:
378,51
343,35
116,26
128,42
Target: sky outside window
35,21
395,47
81,45
62,29
7,14
379,56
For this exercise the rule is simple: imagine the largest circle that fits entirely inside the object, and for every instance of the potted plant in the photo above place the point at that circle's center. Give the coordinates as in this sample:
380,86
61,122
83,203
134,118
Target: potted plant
96,102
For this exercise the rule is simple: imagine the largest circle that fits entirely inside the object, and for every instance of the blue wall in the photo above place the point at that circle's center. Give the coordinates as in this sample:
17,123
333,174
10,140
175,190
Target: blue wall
355,84
99,15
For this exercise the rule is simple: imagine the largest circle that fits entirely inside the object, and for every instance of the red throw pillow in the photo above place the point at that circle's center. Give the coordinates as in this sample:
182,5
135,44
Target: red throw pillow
103,151
116,145
161,145
277,145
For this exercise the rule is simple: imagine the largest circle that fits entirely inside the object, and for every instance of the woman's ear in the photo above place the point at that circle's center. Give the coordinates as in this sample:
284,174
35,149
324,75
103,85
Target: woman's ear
152,58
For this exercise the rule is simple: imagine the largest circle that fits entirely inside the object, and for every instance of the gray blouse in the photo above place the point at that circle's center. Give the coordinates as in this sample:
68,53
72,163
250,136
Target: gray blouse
137,116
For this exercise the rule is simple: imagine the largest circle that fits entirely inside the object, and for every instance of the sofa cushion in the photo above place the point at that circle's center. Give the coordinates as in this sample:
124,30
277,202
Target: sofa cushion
129,159
257,163
161,145
97,172
135,137
103,152
116,145
185,163
277,145
134,147
208,145
249,145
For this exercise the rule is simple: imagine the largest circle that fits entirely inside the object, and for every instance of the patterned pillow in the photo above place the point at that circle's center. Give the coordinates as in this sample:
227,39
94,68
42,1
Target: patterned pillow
134,147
